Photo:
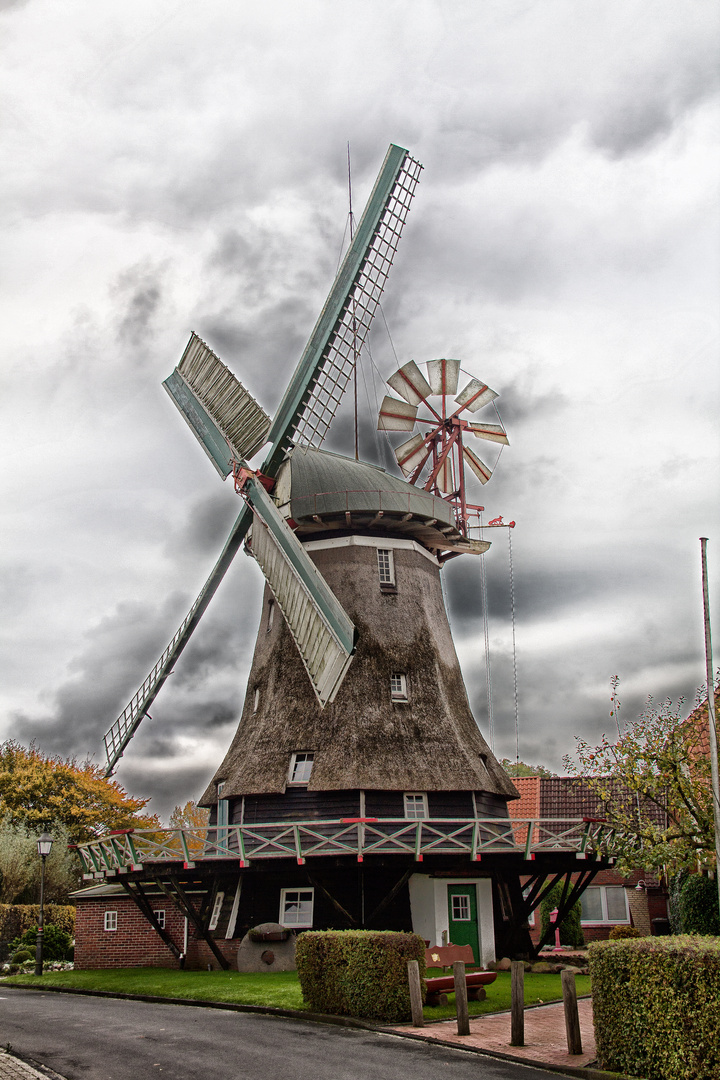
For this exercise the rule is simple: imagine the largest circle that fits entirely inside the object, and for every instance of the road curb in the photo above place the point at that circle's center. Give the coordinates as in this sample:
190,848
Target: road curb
336,1021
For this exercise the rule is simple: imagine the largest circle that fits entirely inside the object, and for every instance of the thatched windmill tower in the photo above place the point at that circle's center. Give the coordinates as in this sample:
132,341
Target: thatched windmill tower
399,742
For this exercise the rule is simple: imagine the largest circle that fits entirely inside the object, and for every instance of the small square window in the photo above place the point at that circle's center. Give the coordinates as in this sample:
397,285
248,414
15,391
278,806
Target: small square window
301,768
160,916
217,908
416,806
398,686
111,920
296,907
386,566
461,908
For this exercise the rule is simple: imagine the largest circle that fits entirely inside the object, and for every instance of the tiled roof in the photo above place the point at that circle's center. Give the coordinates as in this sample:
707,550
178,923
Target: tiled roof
528,806
568,796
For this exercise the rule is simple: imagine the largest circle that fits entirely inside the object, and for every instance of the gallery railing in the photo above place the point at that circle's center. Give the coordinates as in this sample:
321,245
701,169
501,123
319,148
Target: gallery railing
136,849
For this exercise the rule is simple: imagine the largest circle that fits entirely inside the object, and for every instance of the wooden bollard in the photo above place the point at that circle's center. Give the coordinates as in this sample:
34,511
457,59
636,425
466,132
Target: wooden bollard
416,1005
517,1015
461,1000
572,1020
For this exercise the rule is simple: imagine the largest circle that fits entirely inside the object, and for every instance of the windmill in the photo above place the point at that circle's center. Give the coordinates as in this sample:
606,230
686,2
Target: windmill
231,427
358,789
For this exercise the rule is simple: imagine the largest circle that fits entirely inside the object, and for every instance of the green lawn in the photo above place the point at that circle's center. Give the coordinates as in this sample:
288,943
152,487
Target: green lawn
279,990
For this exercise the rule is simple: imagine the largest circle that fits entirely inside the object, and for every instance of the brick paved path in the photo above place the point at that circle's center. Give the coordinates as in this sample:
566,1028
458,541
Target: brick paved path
545,1038
12,1068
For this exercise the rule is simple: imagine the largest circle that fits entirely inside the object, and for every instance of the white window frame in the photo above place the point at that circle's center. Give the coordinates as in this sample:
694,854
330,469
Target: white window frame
217,908
398,686
286,898
298,759
386,567
413,800
605,921
160,918
464,903
110,921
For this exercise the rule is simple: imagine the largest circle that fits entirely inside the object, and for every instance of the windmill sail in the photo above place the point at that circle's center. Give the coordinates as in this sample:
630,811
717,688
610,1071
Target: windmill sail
323,633
226,420
321,377
122,731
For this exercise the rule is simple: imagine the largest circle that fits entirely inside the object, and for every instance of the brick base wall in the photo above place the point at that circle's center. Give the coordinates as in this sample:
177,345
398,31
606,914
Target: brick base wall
136,943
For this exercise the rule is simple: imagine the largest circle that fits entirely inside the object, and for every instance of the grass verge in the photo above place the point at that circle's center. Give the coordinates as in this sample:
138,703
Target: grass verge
276,989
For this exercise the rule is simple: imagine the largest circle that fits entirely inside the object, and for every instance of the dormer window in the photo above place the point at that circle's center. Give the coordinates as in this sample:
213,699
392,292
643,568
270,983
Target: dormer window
300,768
271,615
398,686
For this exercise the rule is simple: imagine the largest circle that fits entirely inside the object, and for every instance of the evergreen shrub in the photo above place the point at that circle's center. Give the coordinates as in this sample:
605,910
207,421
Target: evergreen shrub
56,942
570,928
618,933
699,905
358,972
655,1005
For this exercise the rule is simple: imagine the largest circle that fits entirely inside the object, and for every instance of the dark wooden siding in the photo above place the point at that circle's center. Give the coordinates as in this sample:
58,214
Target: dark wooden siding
297,804
490,805
356,888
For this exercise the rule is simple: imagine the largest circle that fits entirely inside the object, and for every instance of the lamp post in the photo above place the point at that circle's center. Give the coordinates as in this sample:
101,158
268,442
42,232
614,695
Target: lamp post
44,845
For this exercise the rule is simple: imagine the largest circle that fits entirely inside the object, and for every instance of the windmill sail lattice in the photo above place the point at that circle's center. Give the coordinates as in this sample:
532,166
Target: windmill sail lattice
312,399
231,426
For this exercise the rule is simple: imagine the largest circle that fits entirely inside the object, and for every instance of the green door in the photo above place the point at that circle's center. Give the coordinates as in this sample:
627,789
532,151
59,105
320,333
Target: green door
462,916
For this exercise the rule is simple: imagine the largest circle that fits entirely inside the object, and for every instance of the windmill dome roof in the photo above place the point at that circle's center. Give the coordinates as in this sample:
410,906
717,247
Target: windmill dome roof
321,491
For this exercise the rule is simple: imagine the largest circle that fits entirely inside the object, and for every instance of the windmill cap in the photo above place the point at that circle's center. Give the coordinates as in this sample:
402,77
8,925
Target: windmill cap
321,492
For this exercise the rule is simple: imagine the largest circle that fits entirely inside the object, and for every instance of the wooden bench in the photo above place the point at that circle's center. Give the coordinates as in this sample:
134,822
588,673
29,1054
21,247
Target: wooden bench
438,986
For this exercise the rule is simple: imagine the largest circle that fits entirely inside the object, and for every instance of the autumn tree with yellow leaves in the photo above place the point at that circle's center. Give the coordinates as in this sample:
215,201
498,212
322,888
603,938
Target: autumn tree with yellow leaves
38,790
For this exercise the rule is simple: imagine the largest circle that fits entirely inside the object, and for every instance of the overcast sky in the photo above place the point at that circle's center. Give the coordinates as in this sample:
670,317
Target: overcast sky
174,166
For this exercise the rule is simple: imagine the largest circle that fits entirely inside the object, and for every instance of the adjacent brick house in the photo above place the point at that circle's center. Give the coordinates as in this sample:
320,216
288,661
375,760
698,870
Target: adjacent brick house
639,900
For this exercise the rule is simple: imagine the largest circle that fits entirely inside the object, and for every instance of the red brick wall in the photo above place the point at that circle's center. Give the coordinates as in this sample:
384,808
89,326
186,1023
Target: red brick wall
135,943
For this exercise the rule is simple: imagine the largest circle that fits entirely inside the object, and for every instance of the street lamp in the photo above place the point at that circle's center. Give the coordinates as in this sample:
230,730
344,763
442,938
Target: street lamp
44,845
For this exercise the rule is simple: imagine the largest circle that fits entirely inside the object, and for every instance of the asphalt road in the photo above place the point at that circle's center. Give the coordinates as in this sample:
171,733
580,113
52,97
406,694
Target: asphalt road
88,1038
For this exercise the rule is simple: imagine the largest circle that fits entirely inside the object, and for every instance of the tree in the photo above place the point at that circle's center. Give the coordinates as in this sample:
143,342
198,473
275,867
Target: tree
654,785
519,768
40,791
20,866
189,816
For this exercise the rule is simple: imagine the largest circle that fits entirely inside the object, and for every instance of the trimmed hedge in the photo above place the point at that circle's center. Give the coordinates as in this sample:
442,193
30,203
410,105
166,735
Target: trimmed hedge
358,972
655,1005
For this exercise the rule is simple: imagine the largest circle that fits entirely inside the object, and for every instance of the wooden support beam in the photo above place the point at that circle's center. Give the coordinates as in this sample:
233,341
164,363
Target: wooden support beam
391,895
335,903
186,906
142,902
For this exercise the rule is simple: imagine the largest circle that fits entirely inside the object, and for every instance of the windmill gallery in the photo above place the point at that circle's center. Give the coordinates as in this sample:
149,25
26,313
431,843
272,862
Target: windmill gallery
358,790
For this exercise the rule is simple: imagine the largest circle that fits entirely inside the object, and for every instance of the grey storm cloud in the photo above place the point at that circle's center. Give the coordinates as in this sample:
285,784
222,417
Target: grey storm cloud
563,244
